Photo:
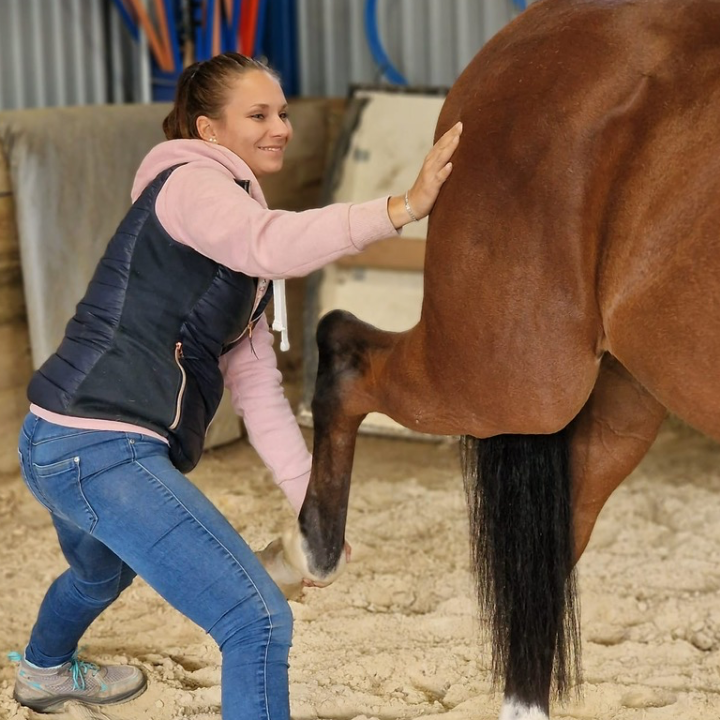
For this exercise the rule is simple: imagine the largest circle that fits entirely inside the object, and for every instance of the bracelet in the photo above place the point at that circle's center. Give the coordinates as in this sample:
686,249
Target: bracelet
409,209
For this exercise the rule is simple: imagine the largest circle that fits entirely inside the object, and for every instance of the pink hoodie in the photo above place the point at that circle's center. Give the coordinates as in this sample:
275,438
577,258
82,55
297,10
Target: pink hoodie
200,205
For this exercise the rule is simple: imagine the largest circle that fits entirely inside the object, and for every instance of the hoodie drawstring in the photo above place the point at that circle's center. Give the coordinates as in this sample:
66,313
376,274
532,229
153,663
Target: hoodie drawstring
280,315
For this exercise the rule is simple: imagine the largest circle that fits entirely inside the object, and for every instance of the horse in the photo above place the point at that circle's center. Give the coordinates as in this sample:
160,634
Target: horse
571,300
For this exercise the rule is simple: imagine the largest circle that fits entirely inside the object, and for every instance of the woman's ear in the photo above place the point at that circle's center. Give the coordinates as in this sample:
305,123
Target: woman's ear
205,128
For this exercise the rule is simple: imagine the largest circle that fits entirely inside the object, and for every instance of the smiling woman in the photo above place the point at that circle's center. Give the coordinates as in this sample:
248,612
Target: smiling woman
174,312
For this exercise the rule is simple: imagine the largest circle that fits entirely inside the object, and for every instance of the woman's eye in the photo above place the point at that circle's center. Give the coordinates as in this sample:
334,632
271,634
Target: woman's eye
285,116
258,116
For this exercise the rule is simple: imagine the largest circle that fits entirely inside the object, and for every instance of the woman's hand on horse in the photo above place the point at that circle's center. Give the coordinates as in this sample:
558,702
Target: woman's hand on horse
420,198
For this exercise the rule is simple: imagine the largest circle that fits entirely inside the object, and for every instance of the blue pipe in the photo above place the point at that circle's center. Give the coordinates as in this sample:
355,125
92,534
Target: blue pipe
260,28
196,9
209,22
172,10
276,38
291,49
231,32
379,55
125,15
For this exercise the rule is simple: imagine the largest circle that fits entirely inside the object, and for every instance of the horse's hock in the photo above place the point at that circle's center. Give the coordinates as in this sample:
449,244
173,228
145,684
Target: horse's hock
65,178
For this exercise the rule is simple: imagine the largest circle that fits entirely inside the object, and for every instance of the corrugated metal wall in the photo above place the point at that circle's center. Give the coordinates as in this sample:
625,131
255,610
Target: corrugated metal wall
67,52
75,52
428,41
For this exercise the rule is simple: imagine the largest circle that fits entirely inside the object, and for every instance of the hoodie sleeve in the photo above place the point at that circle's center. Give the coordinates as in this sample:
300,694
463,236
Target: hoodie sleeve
255,385
201,206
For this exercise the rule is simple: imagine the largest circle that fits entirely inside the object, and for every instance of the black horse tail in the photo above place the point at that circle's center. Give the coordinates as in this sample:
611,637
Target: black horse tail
519,499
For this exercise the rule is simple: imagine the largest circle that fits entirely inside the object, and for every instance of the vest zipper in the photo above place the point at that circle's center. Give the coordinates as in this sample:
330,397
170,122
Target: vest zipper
181,392
249,331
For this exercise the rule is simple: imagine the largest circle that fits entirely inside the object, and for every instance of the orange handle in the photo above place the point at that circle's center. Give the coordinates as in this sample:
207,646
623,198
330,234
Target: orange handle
160,51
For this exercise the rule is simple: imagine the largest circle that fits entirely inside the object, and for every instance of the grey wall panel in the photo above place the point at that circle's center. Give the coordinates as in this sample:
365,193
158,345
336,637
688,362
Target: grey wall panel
66,52
428,41
74,52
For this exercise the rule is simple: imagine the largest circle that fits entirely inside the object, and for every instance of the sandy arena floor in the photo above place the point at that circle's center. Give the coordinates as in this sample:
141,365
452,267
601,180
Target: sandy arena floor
396,636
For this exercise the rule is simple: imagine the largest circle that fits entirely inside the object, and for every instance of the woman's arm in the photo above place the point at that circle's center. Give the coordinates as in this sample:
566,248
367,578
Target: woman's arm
201,206
255,385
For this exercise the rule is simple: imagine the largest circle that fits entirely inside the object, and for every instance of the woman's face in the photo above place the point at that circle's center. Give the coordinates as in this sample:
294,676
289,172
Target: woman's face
255,124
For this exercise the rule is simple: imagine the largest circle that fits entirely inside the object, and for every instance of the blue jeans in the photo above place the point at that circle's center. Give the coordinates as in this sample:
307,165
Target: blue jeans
120,508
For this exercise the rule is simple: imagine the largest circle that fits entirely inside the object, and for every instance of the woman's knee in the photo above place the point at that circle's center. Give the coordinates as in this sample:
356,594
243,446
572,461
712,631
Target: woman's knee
280,619
105,591
272,622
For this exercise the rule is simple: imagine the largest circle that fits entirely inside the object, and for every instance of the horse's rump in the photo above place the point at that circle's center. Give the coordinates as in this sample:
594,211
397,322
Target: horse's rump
583,193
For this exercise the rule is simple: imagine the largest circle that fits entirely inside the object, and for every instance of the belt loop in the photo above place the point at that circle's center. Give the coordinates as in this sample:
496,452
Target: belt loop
131,445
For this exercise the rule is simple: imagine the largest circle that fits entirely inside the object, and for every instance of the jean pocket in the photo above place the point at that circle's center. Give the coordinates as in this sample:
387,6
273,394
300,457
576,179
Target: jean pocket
26,471
58,487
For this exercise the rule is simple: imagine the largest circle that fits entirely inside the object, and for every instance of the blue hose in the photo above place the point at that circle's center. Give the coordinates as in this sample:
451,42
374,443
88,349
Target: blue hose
379,55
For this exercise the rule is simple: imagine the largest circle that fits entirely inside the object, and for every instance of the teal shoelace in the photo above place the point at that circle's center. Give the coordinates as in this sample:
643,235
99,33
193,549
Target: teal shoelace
78,668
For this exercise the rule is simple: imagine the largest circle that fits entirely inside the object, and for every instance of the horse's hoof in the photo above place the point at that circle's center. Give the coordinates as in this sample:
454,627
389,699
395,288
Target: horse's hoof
296,556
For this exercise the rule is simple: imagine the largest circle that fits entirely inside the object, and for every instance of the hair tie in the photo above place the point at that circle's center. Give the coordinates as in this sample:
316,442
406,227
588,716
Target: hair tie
195,71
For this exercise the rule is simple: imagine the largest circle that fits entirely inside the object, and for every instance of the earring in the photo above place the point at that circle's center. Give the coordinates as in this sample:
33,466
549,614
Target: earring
212,139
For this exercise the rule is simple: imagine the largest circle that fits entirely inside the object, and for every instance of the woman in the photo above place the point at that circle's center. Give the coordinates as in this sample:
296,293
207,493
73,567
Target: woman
119,412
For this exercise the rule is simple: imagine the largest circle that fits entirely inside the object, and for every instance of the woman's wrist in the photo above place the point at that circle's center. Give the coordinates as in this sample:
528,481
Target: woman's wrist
397,211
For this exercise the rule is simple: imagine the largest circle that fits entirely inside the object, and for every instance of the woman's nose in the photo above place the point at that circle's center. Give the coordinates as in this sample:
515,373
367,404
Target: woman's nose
280,128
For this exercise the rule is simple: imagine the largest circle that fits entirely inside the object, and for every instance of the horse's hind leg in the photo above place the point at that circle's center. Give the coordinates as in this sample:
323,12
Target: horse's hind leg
611,435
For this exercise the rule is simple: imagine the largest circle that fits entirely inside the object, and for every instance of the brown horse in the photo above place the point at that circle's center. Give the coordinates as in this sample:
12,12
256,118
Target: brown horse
572,297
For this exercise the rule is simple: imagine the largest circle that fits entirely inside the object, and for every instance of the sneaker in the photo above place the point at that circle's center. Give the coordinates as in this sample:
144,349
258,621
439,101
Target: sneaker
46,690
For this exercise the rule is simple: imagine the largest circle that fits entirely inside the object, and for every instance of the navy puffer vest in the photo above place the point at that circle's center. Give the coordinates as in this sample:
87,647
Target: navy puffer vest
145,341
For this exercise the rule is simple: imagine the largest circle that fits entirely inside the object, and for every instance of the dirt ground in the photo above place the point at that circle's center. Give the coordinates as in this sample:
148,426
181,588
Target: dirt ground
397,635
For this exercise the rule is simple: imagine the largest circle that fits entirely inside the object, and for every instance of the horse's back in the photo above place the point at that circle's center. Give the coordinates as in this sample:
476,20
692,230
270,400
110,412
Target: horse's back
584,190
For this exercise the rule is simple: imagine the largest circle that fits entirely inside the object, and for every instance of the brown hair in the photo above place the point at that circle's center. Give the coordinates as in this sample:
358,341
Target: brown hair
202,89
